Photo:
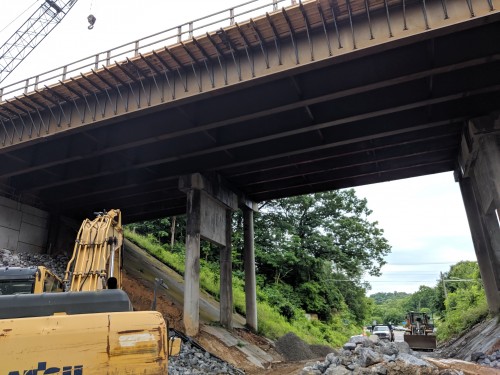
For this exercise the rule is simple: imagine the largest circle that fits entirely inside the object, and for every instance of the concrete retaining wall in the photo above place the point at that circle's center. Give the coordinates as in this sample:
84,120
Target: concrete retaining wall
22,228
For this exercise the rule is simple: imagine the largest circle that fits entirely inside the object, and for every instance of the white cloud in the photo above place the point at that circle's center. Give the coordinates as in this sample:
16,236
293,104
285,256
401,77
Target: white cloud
425,223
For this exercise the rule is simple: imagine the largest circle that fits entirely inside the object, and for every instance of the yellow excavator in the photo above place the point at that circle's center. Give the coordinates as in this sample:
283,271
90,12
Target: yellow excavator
88,329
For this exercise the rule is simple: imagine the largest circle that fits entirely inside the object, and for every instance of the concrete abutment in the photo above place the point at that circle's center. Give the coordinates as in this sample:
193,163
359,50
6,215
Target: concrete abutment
28,229
479,179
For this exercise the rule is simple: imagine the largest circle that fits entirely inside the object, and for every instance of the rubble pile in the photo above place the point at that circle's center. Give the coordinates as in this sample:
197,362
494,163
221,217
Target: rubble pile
293,348
194,360
55,263
492,360
369,355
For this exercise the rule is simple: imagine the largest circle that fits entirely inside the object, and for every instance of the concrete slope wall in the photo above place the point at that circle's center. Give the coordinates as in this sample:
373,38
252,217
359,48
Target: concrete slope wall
142,266
22,227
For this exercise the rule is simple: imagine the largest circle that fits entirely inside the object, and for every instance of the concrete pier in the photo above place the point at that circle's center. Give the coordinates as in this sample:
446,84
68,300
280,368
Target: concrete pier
479,179
249,259
209,208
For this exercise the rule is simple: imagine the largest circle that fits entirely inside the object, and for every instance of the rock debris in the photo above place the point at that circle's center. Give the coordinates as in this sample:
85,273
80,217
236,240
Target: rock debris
55,263
492,360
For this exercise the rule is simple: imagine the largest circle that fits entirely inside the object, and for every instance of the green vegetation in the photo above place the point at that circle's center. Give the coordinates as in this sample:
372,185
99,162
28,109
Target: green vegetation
311,252
271,323
465,301
461,306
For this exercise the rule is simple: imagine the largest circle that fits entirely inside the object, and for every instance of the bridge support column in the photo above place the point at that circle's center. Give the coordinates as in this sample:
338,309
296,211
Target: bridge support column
226,278
481,242
249,261
479,179
209,208
192,264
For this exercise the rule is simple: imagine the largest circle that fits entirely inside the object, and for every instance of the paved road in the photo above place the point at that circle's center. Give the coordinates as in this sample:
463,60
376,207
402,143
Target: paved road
398,335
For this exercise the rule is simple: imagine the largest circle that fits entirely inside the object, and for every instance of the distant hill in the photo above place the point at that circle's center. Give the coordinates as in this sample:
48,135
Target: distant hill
381,298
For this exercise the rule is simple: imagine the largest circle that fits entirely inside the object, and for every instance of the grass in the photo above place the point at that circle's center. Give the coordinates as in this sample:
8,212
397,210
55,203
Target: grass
270,322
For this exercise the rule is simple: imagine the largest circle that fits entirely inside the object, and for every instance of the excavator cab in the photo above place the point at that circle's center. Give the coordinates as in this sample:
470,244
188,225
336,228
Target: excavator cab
28,280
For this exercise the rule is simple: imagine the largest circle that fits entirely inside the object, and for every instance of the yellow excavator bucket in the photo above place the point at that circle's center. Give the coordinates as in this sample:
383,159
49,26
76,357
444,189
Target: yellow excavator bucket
421,342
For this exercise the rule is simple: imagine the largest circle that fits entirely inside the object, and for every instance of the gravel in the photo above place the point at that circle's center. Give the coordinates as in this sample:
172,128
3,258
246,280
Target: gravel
193,359
56,264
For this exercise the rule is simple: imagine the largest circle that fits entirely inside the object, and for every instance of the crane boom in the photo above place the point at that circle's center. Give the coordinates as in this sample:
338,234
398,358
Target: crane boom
31,33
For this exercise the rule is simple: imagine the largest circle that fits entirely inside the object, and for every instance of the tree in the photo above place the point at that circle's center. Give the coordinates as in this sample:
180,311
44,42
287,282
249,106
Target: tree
389,307
320,244
162,230
465,303
465,270
309,229
382,297
425,297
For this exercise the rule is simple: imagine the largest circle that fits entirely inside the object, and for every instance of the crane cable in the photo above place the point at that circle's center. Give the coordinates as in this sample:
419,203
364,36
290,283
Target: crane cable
15,19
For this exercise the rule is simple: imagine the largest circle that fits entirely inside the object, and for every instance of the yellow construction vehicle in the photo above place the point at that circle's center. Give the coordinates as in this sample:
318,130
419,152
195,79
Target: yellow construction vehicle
89,329
96,260
18,280
419,332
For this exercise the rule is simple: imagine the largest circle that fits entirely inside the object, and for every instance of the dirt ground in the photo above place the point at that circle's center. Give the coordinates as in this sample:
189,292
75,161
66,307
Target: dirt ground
141,295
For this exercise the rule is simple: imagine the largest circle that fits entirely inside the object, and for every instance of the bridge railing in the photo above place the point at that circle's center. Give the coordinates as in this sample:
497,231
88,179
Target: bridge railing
177,34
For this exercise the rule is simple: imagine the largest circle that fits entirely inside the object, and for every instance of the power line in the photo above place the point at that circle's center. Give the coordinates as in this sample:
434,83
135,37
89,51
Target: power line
399,281
423,263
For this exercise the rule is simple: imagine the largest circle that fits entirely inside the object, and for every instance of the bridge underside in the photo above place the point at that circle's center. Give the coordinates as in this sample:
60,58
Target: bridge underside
371,115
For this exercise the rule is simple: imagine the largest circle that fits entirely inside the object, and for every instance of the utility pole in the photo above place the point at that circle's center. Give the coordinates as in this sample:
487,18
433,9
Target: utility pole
444,286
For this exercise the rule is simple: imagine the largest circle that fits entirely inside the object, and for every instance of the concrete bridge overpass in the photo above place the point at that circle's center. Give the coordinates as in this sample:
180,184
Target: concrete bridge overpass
315,96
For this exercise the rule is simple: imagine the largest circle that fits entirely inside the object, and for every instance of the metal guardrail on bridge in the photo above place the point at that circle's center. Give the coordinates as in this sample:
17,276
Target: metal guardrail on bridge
177,34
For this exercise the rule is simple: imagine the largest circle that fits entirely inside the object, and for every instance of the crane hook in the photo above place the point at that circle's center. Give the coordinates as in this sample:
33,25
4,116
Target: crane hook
91,20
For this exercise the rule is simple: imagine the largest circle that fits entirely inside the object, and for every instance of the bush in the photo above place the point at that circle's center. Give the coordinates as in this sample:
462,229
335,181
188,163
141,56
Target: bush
464,308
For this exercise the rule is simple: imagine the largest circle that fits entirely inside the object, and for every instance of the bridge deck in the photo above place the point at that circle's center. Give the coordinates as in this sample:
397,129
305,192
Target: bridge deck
321,95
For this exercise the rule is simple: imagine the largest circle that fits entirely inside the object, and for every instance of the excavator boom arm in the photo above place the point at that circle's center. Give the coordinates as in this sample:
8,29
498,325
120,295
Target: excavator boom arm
96,260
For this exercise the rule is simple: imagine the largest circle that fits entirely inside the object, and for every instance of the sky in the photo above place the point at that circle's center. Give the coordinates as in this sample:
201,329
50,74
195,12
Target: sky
423,218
